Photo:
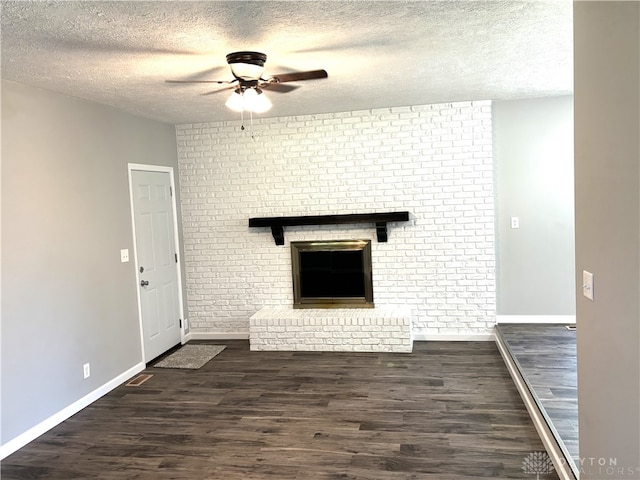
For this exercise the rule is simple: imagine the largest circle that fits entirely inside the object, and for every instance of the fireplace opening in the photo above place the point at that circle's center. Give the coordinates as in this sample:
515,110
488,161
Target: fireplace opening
332,274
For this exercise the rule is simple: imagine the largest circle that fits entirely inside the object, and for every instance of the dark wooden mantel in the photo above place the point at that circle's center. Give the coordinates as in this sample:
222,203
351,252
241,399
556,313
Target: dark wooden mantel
277,224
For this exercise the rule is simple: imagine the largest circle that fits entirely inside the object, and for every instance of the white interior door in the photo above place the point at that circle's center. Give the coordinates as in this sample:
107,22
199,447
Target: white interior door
156,256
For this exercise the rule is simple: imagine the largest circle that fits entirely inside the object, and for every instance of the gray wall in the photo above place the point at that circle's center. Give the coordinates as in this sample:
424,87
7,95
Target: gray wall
533,155
607,186
66,298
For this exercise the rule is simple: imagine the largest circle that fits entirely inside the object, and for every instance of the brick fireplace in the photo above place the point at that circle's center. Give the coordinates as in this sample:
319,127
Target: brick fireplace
333,304
432,160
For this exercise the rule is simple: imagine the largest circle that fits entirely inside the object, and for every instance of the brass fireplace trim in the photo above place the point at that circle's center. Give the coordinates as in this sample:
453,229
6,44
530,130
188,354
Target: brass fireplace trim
332,302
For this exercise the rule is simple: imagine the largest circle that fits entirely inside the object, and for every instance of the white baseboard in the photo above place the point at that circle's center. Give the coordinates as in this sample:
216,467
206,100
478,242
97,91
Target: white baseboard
468,337
216,336
566,319
557,456
21,440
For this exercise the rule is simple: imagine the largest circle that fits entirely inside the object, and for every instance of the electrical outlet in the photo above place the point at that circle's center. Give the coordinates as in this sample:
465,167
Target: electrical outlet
515,222
87,370
124,255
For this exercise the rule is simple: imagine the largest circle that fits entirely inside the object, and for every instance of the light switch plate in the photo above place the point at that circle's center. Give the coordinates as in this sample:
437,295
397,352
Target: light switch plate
124,255
587,284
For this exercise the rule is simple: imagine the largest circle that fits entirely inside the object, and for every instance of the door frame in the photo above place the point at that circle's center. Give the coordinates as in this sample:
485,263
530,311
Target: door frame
157,168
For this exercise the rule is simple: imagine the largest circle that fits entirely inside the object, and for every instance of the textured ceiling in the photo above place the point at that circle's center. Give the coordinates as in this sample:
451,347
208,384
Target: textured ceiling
378,54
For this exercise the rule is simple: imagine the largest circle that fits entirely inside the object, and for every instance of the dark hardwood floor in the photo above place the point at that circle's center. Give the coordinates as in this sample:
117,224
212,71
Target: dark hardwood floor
547,358
448,411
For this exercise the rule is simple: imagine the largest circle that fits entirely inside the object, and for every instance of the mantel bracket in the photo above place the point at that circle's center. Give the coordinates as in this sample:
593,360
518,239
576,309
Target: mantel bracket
278,234
381,231
380,220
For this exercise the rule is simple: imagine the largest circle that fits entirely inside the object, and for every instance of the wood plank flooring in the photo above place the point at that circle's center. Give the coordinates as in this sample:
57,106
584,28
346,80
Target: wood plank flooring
448,411
547,357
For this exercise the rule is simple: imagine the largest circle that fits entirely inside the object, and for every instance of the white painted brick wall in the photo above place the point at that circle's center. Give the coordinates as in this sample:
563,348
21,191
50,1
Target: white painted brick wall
434,161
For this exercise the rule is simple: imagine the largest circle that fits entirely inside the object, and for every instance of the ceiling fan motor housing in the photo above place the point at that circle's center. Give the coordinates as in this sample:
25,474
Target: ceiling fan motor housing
247,66
252,58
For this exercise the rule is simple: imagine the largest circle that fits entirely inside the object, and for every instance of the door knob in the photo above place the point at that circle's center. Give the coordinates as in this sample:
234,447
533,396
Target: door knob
144,283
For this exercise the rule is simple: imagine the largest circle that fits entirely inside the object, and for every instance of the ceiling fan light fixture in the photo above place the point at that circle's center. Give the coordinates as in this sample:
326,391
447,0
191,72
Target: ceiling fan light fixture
256,101
248,100
235,101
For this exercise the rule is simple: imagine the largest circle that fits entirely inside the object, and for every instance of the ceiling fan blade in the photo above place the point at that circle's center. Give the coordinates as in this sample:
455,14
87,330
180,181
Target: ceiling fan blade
225,89
298,76
204,74
200,81
278,87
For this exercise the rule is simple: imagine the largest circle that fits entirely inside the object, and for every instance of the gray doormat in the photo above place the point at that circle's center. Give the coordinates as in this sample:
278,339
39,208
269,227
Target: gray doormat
190,356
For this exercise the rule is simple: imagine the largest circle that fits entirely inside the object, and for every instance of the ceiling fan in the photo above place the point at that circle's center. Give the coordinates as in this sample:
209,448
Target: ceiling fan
248,83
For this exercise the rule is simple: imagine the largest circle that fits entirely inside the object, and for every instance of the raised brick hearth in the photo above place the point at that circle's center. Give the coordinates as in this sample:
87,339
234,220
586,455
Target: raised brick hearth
382,329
